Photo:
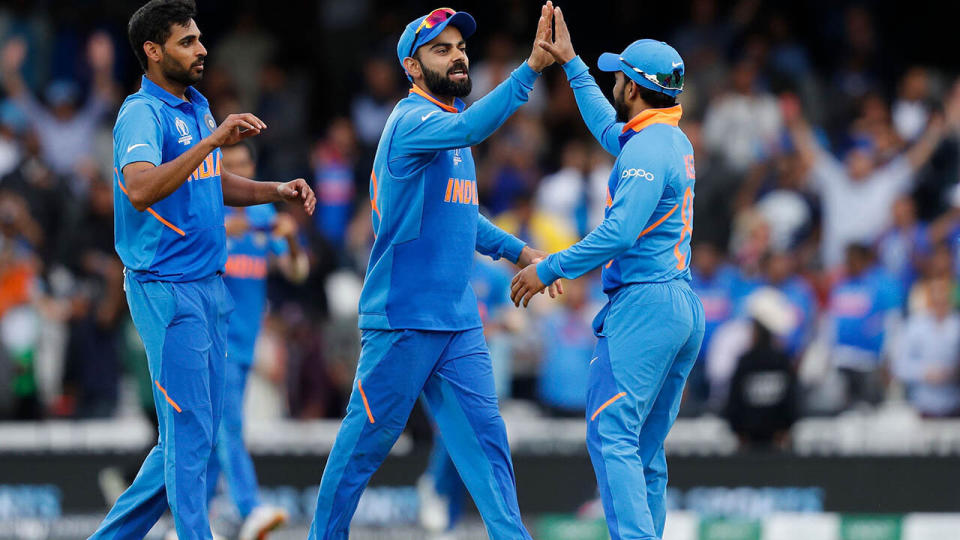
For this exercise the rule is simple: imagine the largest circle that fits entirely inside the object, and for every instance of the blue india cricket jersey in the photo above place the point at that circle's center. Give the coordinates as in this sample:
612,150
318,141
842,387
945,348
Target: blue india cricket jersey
423,191
645,234
180,238
246,278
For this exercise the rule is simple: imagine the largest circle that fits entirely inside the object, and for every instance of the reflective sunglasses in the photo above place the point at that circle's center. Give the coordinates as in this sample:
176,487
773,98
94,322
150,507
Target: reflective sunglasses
435,17
667,81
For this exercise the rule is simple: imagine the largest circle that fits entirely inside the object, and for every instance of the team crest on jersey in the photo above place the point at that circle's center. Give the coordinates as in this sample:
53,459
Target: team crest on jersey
260,239
184,131
456,157
210,122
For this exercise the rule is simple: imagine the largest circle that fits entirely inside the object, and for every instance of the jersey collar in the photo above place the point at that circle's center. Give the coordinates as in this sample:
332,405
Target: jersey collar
193,96
670,116
458,104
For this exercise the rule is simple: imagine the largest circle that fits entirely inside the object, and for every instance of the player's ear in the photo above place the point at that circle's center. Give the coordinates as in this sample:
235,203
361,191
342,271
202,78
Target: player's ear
413,67
152,50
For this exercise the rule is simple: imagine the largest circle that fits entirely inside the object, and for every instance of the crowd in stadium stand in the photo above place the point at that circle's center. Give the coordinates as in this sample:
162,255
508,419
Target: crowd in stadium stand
825,244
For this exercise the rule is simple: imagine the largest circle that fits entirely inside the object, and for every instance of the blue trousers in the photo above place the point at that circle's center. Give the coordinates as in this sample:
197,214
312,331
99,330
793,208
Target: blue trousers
648,342
183,327
230,454
454,373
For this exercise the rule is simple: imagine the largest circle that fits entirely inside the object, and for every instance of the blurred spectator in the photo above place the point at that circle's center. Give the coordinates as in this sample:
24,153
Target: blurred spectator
511,169
283,148
97,304
375,101
42,192
12,125
762,403
863,304
902,248
19,323
576,194
568,344
715,282
780,274
334,160
928,362
242,53
939,266
501,58
534,226
65,129
910,113
742,127
859,193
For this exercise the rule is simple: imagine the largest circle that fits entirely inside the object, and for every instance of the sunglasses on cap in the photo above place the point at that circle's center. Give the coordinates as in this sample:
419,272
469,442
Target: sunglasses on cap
667,81
435,17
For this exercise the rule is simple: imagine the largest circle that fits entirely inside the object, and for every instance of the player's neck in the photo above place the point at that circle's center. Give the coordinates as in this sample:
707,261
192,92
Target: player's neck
175,88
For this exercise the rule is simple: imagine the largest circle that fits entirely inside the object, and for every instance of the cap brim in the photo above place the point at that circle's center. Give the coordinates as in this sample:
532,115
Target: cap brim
609,62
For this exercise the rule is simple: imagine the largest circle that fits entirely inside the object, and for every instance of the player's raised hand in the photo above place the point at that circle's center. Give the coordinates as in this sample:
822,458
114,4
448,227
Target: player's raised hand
100,52
540,59
236,128
296,190
561,48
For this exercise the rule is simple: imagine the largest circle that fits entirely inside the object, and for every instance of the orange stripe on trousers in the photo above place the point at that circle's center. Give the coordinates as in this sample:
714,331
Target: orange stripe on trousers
170,401
607,404
366,405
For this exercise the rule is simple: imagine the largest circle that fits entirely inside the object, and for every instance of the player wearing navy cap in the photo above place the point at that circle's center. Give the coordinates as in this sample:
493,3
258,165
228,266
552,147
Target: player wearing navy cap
169,195
651,328
421,329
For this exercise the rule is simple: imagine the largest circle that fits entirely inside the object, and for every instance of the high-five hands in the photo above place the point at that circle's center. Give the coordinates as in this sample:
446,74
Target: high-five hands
561,48
541,59
527,283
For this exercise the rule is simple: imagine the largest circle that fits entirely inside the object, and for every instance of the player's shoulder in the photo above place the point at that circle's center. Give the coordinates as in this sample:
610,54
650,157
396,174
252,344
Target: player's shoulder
137,106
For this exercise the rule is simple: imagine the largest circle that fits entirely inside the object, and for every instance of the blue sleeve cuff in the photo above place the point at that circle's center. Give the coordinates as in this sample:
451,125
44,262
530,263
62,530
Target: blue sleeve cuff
575,67
545,270
526,75
512,247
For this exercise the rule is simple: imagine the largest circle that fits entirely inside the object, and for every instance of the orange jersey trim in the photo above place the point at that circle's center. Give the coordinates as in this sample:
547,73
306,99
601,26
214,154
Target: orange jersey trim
670,116
605,405
152,212
376,191
659,221
420,92
366,404
170,401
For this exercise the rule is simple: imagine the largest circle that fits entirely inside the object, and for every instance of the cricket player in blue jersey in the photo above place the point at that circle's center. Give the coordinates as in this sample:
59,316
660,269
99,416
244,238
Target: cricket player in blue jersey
169,195
651,328
256,236
420,328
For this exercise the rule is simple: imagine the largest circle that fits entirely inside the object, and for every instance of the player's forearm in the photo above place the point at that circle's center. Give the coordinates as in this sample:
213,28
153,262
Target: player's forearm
599,116
495,243
147,186
599,247
240,191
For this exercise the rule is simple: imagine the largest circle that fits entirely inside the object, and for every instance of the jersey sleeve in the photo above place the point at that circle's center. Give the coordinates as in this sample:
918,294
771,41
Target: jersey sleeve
494,242
423,130
642,179
137,135
597,113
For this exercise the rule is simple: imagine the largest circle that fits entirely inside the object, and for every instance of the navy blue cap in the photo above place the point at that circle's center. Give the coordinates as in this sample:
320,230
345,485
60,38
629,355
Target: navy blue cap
460,20
650,63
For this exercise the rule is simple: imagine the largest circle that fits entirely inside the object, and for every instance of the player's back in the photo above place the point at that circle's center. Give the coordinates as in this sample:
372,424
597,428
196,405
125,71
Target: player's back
662,250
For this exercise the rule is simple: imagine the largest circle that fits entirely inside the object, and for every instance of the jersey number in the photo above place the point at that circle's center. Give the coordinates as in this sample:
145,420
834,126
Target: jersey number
686,215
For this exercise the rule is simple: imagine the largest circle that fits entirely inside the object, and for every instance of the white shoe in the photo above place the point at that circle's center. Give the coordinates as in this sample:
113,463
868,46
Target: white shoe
434,509
261,521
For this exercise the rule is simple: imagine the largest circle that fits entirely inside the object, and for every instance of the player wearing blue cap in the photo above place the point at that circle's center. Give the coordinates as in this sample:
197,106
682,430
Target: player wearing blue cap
169,195
421,330
651,328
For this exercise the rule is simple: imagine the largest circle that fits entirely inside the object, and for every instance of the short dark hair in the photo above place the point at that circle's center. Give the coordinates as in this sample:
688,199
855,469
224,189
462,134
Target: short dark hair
152,22
657,100
251,151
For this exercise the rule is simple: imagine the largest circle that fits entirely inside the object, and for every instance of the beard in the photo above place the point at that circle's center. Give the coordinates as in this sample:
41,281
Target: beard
178,74
619,105
440,84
